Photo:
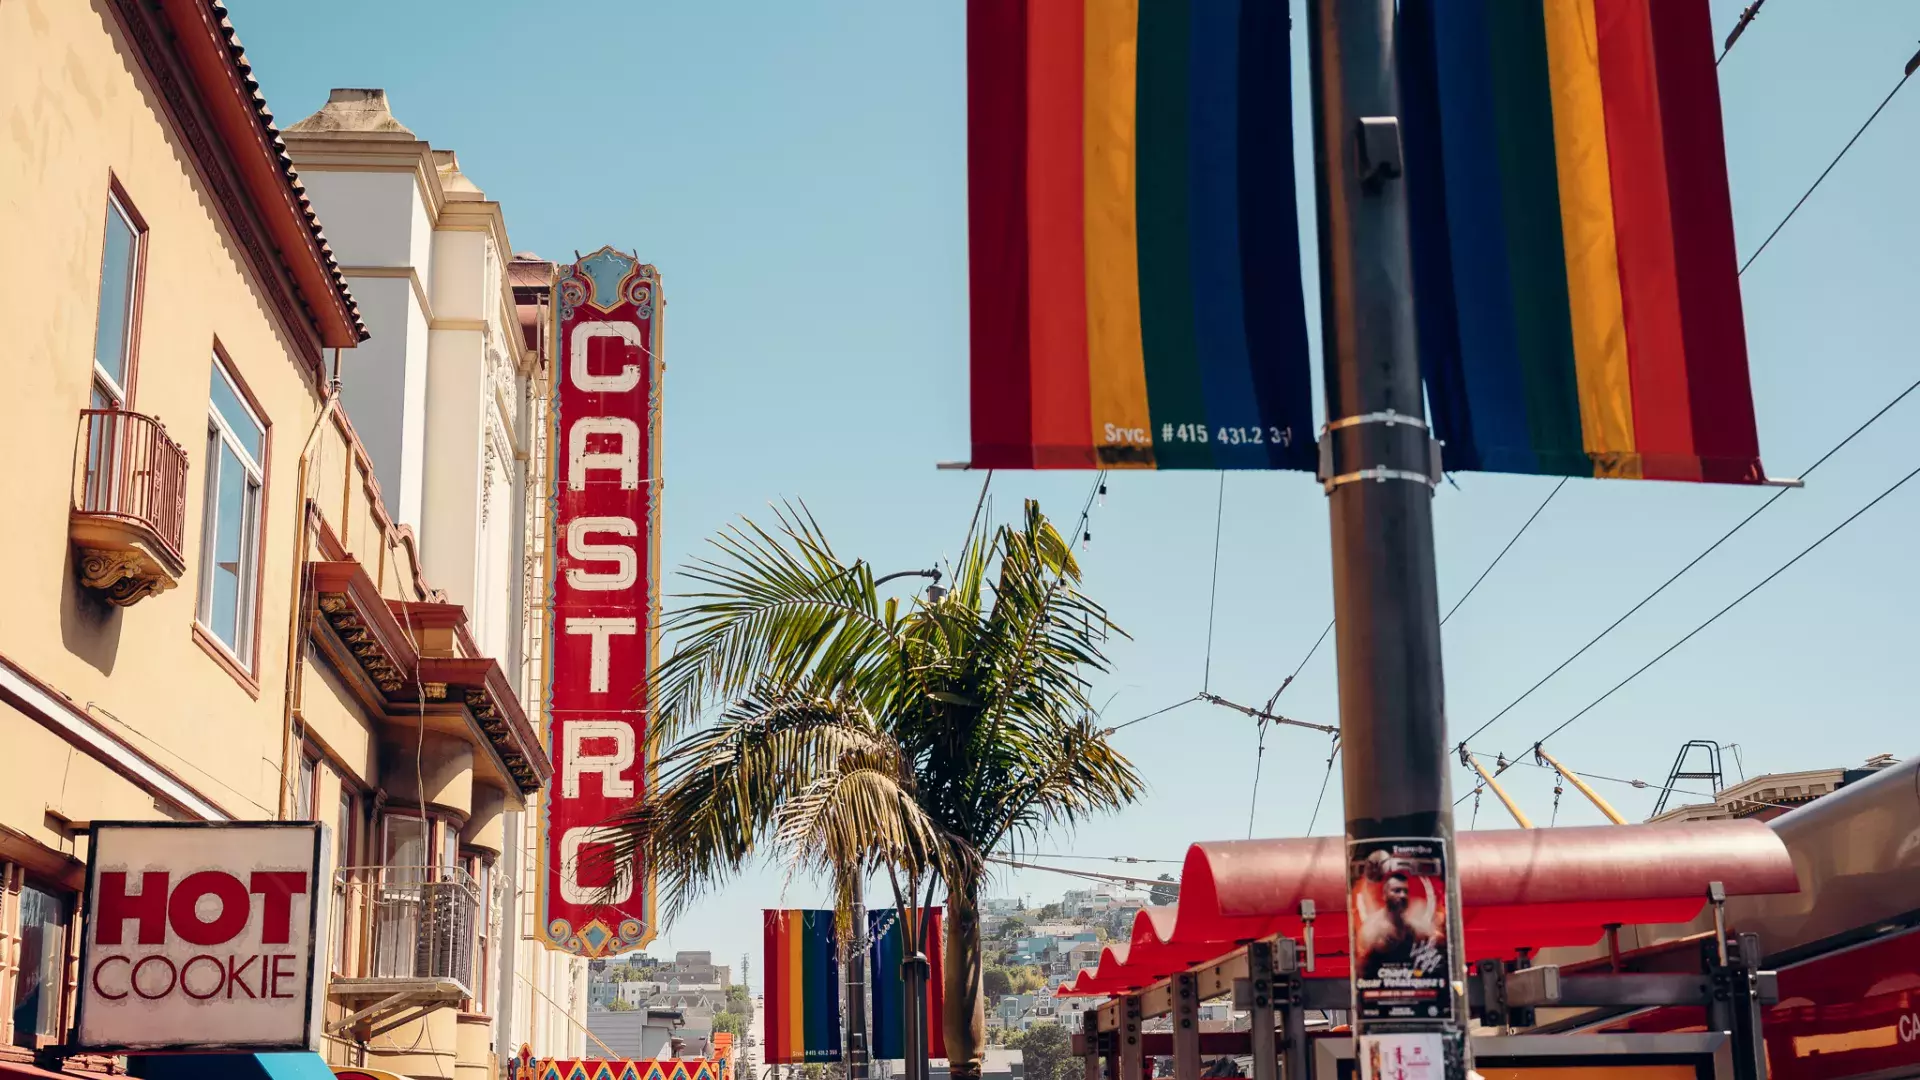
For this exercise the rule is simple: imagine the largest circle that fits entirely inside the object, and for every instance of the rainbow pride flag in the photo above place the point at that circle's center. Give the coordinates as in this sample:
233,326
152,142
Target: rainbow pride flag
802,986
1135,256
886,948
1577,297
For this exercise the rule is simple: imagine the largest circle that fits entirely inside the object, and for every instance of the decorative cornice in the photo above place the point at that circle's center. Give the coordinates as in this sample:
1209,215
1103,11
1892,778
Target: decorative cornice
371,627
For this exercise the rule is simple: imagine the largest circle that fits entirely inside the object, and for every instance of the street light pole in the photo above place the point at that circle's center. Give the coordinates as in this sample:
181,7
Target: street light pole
856,970
1379,467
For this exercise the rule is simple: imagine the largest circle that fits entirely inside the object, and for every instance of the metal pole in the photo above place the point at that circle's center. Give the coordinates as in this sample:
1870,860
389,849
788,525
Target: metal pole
856,982
1379,469
915,970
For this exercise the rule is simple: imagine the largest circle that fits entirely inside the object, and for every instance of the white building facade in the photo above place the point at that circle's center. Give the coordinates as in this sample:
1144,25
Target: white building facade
448,398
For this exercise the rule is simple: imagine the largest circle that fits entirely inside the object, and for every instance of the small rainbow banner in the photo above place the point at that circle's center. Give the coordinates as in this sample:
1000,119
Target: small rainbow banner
887,948
802,974
1135,256
1578,302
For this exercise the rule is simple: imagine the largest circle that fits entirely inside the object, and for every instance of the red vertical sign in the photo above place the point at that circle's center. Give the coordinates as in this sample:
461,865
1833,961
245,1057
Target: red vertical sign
601,624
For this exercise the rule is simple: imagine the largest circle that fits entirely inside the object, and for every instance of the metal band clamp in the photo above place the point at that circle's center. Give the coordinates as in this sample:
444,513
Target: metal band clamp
1379,473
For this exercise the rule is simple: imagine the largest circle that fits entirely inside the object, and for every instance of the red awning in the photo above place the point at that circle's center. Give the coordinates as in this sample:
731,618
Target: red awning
1520,889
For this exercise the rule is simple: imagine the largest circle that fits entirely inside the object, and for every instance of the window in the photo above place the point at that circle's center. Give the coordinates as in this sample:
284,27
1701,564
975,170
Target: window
119,287
345,832
481,870
303,793
230,526
41,968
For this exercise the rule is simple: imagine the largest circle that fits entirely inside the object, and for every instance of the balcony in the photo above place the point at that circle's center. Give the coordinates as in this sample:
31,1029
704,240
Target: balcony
129,506
406,937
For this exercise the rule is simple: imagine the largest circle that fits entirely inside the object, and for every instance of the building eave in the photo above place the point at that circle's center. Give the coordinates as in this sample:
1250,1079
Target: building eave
210,51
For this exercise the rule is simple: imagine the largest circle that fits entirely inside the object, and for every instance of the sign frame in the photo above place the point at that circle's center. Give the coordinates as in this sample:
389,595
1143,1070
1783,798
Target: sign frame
610,288
318,904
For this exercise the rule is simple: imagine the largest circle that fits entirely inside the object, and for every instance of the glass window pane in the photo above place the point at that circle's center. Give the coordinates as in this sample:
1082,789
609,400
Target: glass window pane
226,546
116,297
43,954
226,402
406,848
303,796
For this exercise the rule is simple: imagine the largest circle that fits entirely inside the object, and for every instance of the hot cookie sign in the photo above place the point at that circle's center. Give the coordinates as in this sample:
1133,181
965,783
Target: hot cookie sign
601,625
203,936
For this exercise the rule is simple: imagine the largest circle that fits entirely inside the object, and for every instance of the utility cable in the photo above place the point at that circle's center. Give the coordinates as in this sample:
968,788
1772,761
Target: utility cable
1695,561
1259,758
1213,592
1332,755
1503,551
1090,875
1151,715
1644,785
1763,582
1912,64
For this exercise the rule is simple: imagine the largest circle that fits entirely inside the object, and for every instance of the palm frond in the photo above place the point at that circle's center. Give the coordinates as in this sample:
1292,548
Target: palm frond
771,608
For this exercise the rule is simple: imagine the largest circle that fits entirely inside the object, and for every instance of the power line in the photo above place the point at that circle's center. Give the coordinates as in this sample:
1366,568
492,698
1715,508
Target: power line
1259,758
1804,552
1154,713
1331,756
1128,859
1912,64
1645,785
1302,666
1695,561
1213,593
1503,551
1089,875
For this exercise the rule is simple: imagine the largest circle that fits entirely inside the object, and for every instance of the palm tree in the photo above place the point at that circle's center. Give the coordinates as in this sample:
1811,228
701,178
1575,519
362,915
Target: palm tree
860,735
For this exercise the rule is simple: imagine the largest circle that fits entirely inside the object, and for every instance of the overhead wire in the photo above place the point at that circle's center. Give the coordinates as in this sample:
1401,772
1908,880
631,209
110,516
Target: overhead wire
1503,551
1213,592
1691,563
1912,65
1331,756
1715,617
1644,784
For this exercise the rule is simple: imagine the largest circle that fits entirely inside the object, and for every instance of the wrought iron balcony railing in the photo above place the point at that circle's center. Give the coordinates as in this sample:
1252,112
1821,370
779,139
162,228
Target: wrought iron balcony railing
129,505
408,923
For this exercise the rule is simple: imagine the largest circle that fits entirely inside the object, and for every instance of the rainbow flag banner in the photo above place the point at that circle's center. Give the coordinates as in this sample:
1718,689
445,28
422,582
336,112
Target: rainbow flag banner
1135,256
886,948
802,987
1577,298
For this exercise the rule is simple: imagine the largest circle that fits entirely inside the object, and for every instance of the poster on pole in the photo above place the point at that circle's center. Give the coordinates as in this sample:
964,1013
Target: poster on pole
1397,912
602,624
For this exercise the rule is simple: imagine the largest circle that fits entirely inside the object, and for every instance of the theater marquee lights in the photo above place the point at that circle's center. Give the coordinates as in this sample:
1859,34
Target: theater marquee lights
601,627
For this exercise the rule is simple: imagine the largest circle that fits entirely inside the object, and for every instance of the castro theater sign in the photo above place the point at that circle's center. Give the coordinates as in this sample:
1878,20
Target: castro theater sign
202,937
601,627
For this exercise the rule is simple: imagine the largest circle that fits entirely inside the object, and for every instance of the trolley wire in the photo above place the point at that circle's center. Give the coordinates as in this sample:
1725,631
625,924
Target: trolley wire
1213,592
1715,617
1691,563
1912,65
1503,551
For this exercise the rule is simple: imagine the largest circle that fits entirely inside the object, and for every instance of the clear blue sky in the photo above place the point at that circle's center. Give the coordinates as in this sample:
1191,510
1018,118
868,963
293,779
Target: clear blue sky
797,172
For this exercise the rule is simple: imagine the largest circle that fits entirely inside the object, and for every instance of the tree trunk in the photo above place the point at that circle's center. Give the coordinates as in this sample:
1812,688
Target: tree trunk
965,1005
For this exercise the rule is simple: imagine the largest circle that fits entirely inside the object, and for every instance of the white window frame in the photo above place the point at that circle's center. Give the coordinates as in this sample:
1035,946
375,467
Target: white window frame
111,389
219,434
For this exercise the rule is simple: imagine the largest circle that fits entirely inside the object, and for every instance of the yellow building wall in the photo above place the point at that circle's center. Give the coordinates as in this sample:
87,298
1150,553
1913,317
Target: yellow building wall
75,108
